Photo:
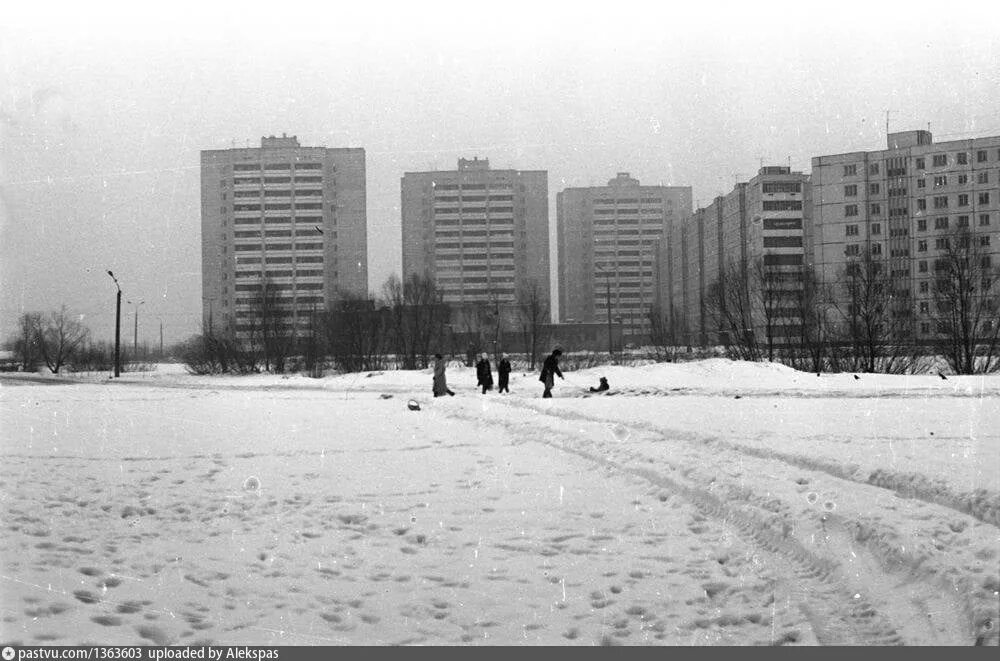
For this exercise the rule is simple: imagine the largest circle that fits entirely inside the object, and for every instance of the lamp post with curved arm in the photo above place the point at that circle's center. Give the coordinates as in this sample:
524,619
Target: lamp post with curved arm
118,327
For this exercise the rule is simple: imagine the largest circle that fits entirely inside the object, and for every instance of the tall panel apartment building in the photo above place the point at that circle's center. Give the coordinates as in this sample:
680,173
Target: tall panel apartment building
607,238
290,216
900,204
481,234
760,227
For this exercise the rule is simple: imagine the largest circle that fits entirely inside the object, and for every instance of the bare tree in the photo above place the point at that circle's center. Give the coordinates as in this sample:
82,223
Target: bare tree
26,346
876,320
356,333
533,309
664,333
966,297
59,336
418,317
272,337
730,304
809,312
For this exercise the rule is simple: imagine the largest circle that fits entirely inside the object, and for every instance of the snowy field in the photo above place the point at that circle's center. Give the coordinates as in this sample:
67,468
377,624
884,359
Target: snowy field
708,502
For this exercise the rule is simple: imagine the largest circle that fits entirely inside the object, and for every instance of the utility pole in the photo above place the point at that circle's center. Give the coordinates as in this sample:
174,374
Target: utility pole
161,339
135,336
607,292
118,327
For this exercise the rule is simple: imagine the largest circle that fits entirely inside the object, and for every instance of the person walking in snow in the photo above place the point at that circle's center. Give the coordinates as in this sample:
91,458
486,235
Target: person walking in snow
440,382
550,368
503,372
484,375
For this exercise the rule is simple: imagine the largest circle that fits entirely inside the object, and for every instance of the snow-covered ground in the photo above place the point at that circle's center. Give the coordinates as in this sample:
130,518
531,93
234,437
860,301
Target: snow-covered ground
709,502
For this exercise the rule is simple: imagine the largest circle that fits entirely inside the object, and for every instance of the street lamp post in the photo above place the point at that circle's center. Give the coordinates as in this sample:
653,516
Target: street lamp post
118,326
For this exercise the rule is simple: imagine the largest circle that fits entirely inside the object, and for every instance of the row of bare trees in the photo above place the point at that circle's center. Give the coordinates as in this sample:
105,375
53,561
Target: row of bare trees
865,321
404,327
54,339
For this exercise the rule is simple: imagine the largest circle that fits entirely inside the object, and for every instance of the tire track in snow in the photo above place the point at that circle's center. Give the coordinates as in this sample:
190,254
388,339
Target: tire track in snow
839,614
980,504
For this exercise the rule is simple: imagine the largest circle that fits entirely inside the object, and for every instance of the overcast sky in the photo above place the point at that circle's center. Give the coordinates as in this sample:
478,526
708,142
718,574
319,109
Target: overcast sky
103,112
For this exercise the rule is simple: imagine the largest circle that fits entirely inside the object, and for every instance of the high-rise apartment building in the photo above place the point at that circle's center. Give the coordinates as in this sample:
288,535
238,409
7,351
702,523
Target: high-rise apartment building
482,235
282,221
607,238
757,235
902,205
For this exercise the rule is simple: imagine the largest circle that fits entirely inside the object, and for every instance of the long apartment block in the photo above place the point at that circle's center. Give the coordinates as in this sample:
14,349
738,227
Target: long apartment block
760,227
481,234
900,205
607,239
284,215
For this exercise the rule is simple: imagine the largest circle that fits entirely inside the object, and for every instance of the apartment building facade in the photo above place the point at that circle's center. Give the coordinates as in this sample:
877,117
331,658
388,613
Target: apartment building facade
607,240
481,234
285,221
902,206
759,232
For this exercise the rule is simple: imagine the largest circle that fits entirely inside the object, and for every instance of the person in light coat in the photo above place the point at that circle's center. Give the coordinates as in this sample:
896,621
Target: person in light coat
440,381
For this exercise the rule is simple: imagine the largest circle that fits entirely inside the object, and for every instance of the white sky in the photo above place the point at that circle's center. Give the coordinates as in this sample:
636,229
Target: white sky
103,110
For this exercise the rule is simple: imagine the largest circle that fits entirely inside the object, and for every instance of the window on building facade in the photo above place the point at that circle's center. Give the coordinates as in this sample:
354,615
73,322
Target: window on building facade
850,170
873,168
963,200
941,202
924,285
940,160
922,203
941,243
922,246
963,179
851,190
922,266
984,198
920,164
876,228
921,183
852,250
851,230
922,225
983,177
962,158
963,221
876,248
940,180
874,189
876,209
981,156
984,219
984,240
850,210
941,223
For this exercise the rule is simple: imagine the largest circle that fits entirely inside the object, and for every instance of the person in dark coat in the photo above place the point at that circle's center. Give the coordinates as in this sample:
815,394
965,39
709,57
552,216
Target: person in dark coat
440,382
503,372
484,375
602,387
550,369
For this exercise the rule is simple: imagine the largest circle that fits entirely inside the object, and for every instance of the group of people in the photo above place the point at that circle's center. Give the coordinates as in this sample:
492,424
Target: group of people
484,374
